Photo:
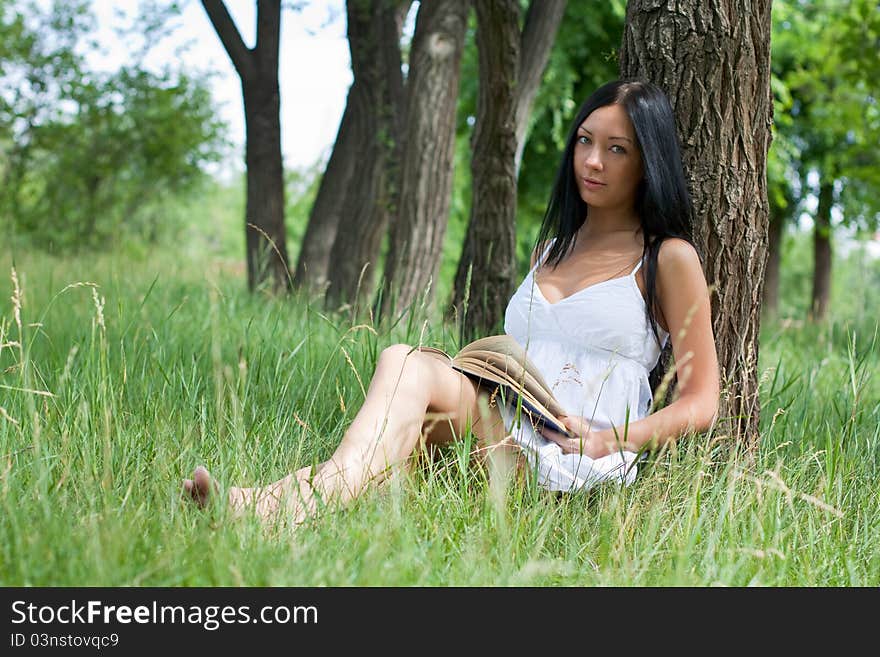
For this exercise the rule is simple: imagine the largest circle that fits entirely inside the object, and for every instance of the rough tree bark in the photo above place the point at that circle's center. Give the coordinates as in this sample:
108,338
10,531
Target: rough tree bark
326,213
485,279
713,60
511,66
266,240
821,296
416,236
376,103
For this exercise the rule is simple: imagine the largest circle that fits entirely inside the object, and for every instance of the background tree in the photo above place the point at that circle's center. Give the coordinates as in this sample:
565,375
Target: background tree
713,60
265,238
484,281
326,211
538,36
94,157
825,56
338,180
416,235
376,103
511,62
38,58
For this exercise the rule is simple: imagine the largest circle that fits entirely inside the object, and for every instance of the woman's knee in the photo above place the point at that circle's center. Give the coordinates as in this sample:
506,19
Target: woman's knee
401,365
446,391
396,354
399,355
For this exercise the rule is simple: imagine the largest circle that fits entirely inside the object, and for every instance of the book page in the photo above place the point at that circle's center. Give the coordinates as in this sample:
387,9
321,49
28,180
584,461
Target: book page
500,359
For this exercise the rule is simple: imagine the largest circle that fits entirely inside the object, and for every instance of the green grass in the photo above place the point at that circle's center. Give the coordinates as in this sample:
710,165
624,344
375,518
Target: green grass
168,363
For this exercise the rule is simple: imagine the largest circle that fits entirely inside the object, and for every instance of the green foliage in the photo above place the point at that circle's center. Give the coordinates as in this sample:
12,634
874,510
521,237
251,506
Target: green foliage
584,57
826,72
855,287
783,156
210,219
94,157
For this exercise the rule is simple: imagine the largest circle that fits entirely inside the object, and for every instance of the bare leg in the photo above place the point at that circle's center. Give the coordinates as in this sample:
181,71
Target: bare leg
406,387
409,391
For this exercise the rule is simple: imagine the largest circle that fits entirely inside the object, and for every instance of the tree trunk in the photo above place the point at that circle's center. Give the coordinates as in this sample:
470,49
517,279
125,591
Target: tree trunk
416,238
266,239
326,213
265,232
539,34
771,273
713,60
376,103
822,254
486,275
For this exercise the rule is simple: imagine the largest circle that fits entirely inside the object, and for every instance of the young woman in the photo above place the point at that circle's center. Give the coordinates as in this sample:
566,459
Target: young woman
614,276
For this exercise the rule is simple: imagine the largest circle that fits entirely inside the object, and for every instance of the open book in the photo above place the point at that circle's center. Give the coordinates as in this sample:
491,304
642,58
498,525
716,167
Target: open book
500,361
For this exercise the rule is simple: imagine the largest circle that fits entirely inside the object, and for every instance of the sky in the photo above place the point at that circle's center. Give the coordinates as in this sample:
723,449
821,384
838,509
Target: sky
314,75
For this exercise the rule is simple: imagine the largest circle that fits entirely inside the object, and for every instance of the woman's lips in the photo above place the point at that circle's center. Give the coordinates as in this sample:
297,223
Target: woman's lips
592,184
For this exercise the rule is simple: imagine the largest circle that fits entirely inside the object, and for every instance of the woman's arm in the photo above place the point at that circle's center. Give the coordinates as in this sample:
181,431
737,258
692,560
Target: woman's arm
684,308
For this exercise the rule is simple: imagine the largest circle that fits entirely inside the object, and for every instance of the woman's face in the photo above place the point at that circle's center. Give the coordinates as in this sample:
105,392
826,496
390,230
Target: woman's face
607,162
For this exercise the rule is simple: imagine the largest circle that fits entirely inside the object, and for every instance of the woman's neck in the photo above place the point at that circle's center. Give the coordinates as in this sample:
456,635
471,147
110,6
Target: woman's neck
603,223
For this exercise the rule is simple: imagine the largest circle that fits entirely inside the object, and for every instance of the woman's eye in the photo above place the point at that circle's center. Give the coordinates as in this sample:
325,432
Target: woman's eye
618,149
584,140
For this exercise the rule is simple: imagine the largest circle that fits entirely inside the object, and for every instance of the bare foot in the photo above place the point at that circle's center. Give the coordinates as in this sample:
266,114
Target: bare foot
285,499
291,494
201,488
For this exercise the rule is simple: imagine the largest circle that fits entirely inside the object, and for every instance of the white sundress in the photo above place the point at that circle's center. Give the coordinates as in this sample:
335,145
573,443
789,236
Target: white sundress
595,349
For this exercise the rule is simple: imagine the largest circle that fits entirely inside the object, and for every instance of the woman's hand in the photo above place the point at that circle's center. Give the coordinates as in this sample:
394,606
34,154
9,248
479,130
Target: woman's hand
594,444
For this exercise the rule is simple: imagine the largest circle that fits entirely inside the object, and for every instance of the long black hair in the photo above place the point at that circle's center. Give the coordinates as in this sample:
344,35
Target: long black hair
662,200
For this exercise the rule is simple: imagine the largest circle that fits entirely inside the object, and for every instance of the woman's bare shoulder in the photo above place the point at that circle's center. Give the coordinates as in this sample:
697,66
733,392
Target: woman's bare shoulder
680,279
677,256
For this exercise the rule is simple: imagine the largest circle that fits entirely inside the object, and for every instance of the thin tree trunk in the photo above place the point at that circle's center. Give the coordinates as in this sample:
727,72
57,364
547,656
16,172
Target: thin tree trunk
265,231
486,274
266,240
326,213
771,273
713,60
416,236
821,296
376,101
538,35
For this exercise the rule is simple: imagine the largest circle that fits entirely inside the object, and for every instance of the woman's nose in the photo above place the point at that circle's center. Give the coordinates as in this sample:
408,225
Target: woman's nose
593,160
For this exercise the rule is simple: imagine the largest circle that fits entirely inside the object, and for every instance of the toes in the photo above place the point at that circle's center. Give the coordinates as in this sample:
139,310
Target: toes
201,477
200,487
192,493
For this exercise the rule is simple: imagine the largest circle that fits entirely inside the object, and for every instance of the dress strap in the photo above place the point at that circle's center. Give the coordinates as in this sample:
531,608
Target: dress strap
636,268
543,255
